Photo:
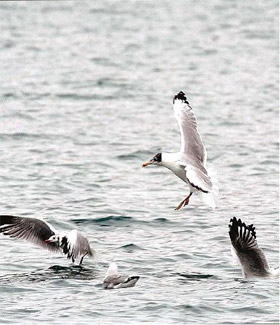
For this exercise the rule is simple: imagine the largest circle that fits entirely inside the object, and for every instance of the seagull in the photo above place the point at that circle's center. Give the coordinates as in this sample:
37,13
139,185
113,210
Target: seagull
113,280
74,244
189,163
245,247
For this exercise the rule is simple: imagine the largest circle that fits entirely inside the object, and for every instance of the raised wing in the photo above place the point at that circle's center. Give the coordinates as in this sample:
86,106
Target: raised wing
31,229
112,278
251,257
192,149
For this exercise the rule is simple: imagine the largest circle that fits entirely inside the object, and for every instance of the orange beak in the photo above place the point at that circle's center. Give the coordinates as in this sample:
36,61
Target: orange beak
47,241
147,163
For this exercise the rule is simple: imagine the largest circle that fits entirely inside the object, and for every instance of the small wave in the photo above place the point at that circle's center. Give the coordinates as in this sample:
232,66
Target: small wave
131,247
52,273
73,271
103,221
30,136
75,96
122,221
10,95
135,154
195,275
163,220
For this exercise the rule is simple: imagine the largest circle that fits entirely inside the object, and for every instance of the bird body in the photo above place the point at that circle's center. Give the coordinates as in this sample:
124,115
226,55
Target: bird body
171,161
113,280
189,164
74,244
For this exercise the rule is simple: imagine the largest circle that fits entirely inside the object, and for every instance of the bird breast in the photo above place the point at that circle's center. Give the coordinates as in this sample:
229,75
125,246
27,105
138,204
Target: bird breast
177,169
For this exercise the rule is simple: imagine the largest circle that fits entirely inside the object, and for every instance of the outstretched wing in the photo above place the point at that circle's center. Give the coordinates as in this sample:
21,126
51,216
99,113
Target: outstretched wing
192,149
76,245
31,229
251,257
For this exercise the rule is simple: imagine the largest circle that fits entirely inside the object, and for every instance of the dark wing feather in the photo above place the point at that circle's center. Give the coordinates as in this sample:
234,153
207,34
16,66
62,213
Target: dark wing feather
251,257
34,230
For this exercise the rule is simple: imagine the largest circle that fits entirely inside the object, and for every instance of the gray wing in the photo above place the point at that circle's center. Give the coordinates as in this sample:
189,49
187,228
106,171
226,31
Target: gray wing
192,149
76,245
34,230
198,178
251,257
113,280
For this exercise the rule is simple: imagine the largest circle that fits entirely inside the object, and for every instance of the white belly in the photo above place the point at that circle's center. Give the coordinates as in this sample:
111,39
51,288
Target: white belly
178,170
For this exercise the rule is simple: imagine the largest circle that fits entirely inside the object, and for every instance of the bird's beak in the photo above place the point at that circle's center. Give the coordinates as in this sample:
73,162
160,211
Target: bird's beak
47,241
147,163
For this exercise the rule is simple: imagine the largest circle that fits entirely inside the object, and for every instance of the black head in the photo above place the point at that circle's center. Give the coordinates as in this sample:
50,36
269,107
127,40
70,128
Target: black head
157,158
135,277
181,96
132,278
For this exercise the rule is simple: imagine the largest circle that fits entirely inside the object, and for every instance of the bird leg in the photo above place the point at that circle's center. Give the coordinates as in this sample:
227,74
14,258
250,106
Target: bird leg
184,202
81,261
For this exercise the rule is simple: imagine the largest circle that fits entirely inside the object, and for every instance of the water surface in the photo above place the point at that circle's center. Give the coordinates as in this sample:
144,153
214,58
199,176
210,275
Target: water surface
86,92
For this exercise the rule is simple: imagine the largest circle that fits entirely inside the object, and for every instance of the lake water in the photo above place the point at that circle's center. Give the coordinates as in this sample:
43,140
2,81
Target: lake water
86,93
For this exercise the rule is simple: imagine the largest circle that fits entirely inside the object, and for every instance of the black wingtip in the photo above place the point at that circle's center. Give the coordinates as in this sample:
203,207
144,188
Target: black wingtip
233,228
136,277
181,96
234,224
240,234
6,219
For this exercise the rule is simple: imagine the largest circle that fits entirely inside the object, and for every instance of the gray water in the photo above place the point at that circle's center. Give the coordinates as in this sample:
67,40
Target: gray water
86,93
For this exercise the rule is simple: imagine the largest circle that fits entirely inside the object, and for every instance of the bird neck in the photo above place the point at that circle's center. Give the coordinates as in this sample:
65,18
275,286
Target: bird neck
168,159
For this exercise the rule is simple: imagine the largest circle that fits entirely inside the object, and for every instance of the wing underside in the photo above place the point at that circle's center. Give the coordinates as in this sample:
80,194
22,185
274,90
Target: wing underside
31,229
251,257
192,148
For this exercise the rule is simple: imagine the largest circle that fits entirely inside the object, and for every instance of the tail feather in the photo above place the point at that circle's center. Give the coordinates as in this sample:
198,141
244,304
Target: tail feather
208,199
211,198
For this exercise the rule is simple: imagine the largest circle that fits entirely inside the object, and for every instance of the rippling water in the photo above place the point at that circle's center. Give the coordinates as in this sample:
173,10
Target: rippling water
86,91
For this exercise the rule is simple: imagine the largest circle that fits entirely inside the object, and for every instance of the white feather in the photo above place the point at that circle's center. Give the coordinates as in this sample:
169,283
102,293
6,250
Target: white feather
72,238
208,199
112,270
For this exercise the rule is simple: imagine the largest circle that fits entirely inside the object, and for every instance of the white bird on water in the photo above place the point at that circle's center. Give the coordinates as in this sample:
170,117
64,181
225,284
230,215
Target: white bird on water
189,163
74,244
113,280
251,258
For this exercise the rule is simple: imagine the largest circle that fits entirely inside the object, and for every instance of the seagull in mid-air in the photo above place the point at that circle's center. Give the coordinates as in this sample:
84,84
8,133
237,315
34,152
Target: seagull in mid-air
113,280
245,247
189,163
74,244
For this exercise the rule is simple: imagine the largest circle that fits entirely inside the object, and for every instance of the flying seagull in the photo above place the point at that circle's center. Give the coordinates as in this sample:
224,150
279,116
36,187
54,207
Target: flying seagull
113,280
74,244
189,163
250,256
